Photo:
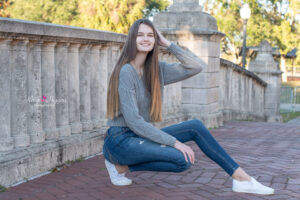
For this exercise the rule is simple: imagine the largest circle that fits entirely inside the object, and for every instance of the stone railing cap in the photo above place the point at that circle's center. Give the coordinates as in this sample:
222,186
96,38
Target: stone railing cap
239,69
8,25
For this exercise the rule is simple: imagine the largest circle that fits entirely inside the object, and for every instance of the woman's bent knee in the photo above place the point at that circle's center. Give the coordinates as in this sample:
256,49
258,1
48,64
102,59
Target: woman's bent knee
183,165
197,124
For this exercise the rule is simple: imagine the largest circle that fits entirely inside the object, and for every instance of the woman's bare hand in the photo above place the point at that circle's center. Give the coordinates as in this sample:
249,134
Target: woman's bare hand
186,150
162,41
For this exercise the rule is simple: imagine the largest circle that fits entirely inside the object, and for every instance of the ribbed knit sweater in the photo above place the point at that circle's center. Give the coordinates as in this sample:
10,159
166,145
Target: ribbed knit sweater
135,99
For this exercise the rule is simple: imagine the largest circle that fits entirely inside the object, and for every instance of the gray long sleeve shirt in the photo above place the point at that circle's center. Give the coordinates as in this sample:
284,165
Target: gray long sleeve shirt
135,99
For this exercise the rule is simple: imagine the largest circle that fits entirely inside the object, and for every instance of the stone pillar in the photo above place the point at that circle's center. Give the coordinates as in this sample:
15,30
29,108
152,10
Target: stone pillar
6,142
48,90
35,127
18,99
185,24
110,63
73,89
104,79
61,89
115,54
95,86
85,88
268,70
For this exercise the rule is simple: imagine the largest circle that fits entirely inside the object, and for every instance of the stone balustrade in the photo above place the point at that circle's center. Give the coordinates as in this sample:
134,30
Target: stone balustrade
53,86
53,83
54,80
242,93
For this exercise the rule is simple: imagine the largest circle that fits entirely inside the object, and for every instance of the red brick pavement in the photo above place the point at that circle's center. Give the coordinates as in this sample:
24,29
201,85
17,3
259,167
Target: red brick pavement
268,151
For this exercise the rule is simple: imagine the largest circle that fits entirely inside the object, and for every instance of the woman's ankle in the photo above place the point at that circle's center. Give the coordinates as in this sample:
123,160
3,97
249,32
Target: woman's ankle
121,168
241,175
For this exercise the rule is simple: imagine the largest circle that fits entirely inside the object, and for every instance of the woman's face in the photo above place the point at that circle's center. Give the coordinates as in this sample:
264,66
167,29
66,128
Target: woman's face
145,39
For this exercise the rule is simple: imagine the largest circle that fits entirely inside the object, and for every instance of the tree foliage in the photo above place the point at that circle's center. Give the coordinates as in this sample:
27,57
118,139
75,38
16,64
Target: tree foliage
52,11
272,20
4,4
113,15
154,6
110,15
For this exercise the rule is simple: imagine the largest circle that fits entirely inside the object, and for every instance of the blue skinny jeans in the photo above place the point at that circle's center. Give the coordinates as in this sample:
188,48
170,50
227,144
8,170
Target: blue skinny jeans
122,146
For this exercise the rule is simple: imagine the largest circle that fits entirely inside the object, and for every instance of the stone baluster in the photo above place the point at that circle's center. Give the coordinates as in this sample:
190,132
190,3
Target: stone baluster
110,63
84,87
104,79
61,89
35,123
73,89
18,99
95,86
48,90
115,54
6,142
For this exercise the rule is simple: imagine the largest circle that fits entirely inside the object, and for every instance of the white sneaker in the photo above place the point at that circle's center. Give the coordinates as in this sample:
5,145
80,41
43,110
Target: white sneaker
252,186
115,177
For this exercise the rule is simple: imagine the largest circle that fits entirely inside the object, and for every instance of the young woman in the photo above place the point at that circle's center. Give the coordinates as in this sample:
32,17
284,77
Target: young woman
134,100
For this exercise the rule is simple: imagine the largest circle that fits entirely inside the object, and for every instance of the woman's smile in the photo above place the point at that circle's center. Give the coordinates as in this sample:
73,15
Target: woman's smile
145,39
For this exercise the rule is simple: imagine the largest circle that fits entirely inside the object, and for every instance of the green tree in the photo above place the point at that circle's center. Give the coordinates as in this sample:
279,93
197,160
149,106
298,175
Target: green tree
154,6
110,15
51,11
273,20
3,8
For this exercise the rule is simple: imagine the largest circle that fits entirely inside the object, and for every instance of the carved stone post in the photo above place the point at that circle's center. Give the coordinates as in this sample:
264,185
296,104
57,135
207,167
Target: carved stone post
84,87
6,142
104,79
35,127
19,94
95,86
61,89
185,24
73,89
268,70
48,90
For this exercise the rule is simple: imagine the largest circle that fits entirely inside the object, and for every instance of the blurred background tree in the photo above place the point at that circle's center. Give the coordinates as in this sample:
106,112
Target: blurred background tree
3,8
110,15
274,20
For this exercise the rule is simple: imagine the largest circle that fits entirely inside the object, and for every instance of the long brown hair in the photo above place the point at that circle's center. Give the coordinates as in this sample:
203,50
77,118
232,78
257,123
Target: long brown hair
151,71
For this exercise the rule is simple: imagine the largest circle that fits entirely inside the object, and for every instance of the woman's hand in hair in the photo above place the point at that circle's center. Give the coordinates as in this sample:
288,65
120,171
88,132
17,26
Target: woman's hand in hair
186,150
162,41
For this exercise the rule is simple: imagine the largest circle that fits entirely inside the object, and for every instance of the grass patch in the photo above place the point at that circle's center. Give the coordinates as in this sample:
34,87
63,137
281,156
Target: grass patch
2,188
289,94
289,116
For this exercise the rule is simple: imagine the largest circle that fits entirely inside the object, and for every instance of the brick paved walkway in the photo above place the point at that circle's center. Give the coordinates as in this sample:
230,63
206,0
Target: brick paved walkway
268,151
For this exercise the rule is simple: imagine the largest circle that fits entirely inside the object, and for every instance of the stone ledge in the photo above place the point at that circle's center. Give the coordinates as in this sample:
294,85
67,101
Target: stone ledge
226,63
22,163
197,31
231,114
16,27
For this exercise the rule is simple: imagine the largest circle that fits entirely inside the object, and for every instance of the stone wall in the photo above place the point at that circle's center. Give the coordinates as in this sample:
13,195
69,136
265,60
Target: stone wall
53,85
241,92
